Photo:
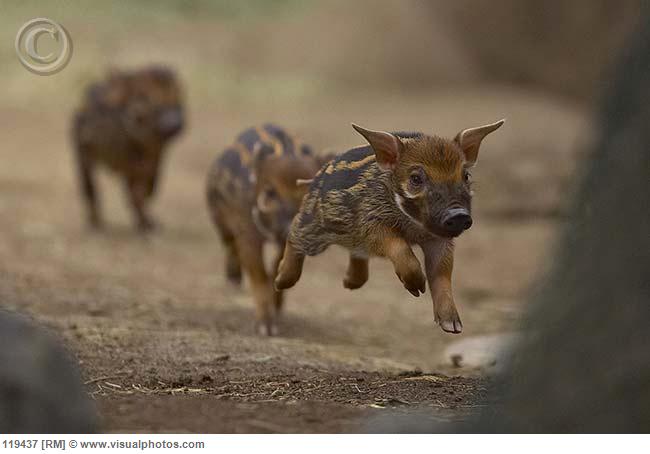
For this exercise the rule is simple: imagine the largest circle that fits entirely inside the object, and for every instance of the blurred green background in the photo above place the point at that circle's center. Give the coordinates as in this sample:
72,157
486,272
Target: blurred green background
262,50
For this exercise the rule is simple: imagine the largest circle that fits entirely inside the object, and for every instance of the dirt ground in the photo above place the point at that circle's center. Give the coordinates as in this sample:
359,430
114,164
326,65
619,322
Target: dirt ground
165,345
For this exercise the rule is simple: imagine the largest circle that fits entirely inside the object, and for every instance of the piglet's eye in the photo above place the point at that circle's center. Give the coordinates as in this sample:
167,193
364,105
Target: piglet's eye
467,177
270,193
415,179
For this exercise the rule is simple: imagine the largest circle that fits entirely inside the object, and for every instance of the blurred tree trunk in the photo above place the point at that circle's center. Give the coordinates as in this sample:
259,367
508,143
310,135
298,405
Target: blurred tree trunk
586,364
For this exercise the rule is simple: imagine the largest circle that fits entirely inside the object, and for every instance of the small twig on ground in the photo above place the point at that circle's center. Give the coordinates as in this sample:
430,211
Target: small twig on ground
102,378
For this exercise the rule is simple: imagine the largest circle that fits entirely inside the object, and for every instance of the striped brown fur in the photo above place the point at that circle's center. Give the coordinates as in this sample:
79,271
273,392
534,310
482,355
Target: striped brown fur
252,195
125,124
380,199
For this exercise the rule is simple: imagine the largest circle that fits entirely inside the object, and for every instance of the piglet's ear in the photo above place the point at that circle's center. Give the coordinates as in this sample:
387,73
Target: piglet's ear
470,139
387,147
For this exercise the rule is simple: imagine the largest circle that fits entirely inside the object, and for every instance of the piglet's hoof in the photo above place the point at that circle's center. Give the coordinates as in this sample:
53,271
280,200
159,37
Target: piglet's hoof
445,313
233,274
449,321
266,328
352,283
451,326
285,280
414,282
147,226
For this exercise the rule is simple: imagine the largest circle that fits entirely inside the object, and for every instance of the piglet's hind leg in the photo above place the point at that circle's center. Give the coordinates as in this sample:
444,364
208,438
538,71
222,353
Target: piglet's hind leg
357,273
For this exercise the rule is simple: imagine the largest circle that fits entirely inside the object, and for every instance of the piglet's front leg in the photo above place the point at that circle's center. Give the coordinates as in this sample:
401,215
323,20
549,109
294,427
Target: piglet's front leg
407,266
438,264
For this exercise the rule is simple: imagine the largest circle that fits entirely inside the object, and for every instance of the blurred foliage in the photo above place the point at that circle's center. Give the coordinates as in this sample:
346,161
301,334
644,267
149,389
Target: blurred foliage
259,50
156,9
241,9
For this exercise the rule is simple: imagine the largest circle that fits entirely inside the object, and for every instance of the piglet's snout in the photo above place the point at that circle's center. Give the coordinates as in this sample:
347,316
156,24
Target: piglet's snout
456,221
170,121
